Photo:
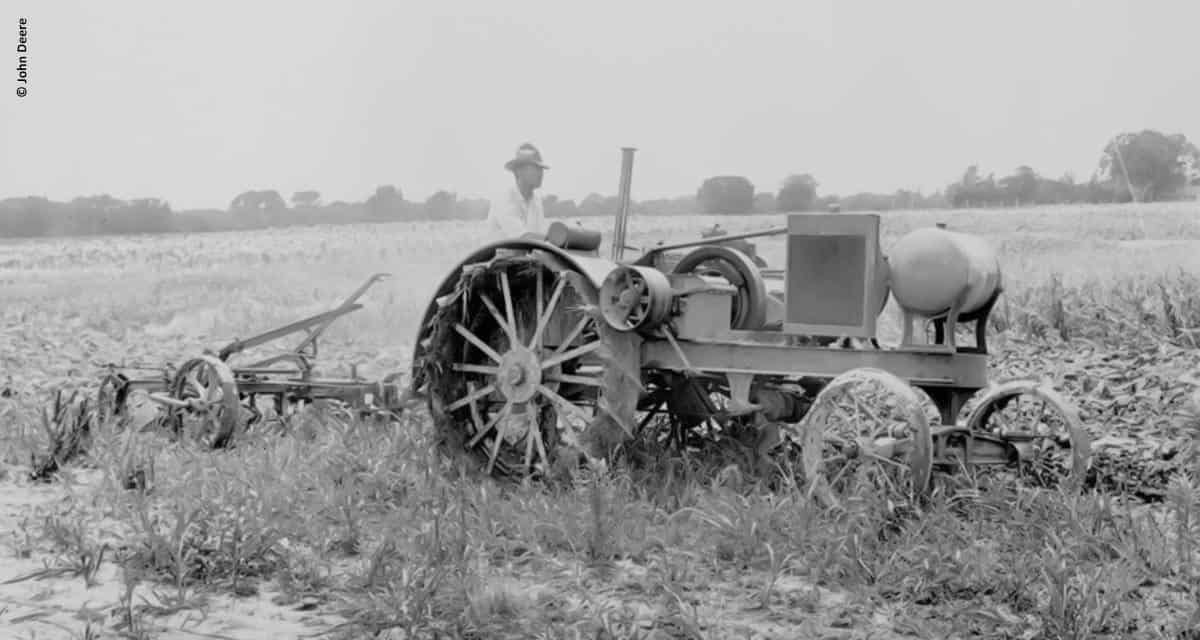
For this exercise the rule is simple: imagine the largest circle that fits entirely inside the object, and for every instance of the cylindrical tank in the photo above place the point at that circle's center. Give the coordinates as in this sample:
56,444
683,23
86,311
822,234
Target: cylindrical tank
931,268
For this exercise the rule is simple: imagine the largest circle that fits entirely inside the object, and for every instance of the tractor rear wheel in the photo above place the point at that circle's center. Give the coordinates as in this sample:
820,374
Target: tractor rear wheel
524,375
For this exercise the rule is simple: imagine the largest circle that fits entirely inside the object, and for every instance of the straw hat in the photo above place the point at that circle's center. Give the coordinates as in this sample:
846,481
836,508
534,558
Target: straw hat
526,154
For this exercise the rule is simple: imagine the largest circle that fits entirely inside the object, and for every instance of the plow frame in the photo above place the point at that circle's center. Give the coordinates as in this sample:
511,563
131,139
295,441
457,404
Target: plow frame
288,385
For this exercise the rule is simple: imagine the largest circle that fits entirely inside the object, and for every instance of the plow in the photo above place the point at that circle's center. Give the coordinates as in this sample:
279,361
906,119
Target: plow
213,397
538,352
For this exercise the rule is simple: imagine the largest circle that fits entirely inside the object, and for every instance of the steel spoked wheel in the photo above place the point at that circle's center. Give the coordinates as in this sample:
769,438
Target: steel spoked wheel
1042,425
530,370
203,403
866,427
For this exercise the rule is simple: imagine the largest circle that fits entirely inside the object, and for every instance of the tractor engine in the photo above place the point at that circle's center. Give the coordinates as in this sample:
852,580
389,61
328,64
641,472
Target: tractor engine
643,299
836,284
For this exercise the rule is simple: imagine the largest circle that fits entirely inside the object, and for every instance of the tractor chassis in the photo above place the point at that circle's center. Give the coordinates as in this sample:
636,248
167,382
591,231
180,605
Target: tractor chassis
763,380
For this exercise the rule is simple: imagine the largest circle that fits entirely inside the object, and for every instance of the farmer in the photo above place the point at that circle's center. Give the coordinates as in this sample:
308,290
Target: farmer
518,211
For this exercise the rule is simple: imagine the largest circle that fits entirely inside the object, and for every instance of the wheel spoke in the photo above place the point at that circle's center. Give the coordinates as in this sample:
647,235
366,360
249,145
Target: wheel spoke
530,429
195,385
488,351
590,381
213,394
475,368
559,358
496,439
536,434
508,301
563,403
505,411
575,331
509,329
472,397
475,418
544,316
536,343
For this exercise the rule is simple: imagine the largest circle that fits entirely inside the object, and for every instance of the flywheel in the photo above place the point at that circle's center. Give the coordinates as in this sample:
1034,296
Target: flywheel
750,304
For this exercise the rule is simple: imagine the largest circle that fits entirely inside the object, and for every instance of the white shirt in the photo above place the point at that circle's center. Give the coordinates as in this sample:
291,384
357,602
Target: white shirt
510,215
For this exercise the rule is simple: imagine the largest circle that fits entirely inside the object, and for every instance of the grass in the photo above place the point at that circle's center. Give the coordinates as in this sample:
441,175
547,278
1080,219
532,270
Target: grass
365,527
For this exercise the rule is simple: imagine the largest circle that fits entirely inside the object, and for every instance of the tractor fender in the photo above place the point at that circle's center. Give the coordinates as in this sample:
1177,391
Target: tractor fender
594,269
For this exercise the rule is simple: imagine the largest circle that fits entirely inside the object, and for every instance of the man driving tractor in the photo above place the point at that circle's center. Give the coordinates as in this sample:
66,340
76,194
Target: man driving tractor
518,211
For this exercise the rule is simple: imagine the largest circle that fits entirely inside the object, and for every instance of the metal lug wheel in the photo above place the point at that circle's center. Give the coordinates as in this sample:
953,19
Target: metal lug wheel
202,402
1041,424
866,427
529,371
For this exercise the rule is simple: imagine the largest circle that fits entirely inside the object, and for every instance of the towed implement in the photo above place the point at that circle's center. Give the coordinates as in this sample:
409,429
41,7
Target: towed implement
538,352
211,397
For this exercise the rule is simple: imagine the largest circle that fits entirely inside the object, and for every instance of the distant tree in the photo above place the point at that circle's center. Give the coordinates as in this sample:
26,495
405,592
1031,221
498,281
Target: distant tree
683,205
973,191
148,215
1021,187
387,203
866,202
799,193
556,208
765,202
597,205
471,209
1157,165
440,206
306,199
272,201
25,217
100,203
93,214
267,200
726,195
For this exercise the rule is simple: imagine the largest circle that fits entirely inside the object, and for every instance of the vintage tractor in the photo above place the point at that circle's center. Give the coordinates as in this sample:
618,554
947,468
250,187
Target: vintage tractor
533,350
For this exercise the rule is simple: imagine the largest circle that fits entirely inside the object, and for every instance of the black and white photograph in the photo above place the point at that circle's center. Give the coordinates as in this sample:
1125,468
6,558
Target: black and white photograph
766,320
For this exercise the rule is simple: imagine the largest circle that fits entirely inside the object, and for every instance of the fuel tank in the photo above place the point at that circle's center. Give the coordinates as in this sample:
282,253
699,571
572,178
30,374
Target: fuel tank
931,268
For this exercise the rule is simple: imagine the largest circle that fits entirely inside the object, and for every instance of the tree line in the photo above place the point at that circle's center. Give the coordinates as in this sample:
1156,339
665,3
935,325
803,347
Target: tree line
1141,166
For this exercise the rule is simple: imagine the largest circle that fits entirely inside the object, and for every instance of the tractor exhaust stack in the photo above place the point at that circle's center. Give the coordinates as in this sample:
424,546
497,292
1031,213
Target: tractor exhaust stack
623,200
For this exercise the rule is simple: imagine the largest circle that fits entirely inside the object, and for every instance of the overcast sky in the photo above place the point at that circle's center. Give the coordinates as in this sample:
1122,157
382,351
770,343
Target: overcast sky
196,102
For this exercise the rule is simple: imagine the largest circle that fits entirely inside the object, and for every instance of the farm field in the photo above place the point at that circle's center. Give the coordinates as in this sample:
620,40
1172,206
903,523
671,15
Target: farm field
359,530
